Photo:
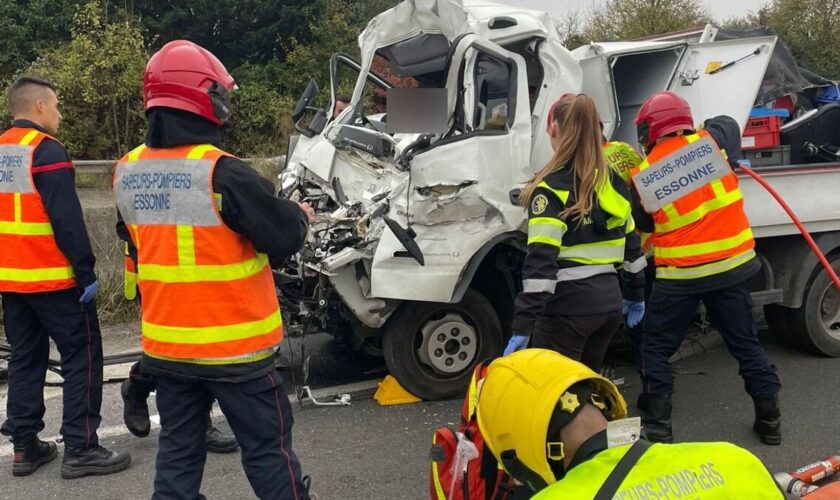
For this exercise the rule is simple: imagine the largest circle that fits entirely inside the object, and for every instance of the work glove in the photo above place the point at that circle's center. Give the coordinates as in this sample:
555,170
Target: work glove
517,342
635,311
89,292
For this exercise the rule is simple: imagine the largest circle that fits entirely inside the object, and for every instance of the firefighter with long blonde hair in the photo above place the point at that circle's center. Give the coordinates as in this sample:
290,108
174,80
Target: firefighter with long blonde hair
582,248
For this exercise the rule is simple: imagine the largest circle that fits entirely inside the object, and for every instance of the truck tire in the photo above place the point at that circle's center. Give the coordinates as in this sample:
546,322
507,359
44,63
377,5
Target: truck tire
817,322
431,348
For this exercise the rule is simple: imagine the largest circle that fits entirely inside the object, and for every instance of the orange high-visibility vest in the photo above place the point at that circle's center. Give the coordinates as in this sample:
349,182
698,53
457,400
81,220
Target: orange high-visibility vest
704,232
30,260
208,295
621,157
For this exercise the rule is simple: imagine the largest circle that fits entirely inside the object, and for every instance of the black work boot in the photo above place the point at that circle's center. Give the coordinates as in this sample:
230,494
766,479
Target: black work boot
307,484
93,461
220,442
768,419
135,410
656,417
31,453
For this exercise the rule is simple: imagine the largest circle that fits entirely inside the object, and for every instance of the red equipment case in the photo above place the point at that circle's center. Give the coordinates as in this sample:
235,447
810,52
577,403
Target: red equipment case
761,133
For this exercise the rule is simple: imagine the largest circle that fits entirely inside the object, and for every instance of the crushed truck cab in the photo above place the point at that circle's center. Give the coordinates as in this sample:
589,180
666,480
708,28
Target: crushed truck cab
419,239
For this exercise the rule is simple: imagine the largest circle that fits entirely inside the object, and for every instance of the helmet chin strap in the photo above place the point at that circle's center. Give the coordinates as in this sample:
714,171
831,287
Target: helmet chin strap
521,472
220,98
571,403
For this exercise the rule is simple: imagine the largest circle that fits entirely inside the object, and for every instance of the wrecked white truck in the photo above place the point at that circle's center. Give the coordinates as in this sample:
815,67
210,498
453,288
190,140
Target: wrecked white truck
417,250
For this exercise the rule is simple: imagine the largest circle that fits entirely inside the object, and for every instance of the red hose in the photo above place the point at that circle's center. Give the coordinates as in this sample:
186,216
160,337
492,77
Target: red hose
811,243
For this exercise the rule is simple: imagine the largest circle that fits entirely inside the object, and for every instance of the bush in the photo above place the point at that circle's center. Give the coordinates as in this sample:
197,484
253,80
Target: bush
99,74
261,122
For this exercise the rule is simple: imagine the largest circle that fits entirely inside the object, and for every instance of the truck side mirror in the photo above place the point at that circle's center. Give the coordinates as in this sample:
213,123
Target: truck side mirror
309,93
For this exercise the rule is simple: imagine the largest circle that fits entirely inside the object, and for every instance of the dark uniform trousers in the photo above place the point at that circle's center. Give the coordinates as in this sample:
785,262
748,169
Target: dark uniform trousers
634,335
30,321
260,415
584,338
666,325
142,384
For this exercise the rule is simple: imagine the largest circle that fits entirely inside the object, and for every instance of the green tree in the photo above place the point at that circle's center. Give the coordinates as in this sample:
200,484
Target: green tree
332,30
30,27
99,74
236,31
334,26
811,28
570,28
628,19
261,122
752,19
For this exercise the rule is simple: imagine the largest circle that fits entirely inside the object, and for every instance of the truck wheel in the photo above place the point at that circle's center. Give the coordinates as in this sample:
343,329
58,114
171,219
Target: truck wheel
431,348
818,320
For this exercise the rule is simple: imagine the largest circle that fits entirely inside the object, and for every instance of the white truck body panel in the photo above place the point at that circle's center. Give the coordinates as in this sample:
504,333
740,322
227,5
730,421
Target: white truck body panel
810,192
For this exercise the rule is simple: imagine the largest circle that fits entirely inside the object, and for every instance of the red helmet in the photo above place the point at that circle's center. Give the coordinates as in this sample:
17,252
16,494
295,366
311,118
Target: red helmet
661,114
186,76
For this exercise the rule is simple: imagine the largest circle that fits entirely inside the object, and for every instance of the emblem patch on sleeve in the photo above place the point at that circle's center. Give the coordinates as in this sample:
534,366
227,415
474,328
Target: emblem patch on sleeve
539,204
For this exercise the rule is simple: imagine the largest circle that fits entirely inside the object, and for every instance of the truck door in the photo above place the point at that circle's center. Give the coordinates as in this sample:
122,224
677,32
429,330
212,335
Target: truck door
489,107
459,198
713,89
598,84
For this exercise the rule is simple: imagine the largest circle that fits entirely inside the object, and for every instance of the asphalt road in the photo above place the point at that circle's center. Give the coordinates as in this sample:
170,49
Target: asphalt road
368,451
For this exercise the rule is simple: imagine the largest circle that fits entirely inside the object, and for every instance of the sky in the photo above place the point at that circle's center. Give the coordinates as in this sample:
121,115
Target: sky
720,9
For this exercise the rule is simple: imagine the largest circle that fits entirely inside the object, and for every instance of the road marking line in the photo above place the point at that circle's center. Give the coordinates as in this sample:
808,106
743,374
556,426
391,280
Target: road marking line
103,432
323,393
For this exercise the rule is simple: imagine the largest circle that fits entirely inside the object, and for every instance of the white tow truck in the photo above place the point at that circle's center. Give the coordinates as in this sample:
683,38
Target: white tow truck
417,251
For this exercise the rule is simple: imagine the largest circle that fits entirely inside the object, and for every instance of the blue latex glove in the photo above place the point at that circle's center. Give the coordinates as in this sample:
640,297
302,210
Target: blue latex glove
517,342
89,293
635,311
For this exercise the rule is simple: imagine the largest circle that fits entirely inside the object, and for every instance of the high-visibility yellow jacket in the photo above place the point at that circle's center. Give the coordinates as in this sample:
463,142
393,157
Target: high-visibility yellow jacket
702,471
621,157
567,257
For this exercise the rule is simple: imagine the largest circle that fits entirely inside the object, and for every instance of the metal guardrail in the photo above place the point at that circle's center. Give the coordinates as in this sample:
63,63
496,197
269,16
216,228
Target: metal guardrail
105,166
94,166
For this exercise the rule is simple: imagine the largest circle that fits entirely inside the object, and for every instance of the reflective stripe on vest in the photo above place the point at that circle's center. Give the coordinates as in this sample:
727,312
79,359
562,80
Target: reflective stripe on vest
703,232
30,260
566,274
130,278
208,295
546,230
690,273
550,230
621,157
602,252
711,471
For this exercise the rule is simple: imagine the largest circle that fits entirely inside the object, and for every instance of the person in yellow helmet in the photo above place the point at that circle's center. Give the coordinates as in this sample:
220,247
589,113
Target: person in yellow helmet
560,429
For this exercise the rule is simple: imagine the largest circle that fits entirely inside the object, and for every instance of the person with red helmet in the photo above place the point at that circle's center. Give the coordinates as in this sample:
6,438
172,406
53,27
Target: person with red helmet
686,194
206,229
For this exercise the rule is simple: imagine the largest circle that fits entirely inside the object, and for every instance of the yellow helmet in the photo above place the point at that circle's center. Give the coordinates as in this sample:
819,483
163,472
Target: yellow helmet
518,397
